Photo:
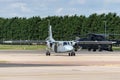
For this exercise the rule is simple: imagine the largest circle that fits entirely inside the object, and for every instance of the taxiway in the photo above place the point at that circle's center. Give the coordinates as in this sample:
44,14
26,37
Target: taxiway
34,65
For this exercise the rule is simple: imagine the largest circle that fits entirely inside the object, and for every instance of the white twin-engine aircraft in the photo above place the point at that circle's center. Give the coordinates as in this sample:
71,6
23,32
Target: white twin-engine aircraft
59,46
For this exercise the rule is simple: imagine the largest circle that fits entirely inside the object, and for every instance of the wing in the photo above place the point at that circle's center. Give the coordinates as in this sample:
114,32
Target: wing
24,42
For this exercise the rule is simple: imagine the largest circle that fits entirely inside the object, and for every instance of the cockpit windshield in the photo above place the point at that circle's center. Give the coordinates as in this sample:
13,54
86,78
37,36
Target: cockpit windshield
64,43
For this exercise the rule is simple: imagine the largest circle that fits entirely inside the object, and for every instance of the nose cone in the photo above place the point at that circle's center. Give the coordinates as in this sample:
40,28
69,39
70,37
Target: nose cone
68,48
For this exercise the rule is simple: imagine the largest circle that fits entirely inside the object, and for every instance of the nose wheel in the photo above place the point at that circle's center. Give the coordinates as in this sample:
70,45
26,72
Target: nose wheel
47,53
72,54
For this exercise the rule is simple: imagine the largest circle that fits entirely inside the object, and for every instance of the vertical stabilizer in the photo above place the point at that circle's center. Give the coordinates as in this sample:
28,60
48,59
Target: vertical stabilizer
50,34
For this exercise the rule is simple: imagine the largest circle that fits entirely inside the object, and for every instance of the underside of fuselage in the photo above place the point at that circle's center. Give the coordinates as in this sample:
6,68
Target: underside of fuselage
61,49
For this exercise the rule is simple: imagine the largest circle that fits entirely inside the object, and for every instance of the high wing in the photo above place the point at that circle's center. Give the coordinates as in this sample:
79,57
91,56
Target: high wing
24,42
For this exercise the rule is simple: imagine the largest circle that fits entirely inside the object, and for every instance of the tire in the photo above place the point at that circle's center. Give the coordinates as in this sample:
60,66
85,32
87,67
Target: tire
69,54
94,50
72,53
47,53
89,49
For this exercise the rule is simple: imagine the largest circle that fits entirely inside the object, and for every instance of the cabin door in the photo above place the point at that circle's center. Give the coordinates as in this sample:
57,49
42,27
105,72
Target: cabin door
56,47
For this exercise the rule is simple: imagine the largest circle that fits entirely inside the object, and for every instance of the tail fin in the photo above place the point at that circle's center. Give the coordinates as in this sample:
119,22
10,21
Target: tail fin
50,34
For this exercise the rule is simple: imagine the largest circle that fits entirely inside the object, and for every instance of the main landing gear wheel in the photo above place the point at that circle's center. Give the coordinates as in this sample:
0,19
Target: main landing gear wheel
47,53
72,54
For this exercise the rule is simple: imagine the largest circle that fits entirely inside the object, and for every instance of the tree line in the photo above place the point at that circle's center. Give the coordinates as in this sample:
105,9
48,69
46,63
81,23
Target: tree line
64,27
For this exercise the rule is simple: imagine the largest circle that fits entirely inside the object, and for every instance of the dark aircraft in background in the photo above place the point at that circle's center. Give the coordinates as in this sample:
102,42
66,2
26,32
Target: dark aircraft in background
95,42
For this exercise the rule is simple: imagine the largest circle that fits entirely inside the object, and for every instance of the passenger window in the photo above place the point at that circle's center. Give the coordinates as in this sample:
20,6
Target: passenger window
68,43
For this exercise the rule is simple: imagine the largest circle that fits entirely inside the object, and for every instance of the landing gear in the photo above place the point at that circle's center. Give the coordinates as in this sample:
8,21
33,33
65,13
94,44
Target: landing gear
72,54
48,53
94,50
110,48
100,48
89,49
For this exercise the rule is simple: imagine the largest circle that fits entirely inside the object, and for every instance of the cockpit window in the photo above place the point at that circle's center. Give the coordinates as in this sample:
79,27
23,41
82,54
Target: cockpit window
64,43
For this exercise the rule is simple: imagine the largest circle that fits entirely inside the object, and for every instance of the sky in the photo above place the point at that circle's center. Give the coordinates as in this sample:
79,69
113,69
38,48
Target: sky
44,8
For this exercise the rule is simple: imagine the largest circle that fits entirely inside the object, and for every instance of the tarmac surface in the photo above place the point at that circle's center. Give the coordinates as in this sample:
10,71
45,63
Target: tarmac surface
34,65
